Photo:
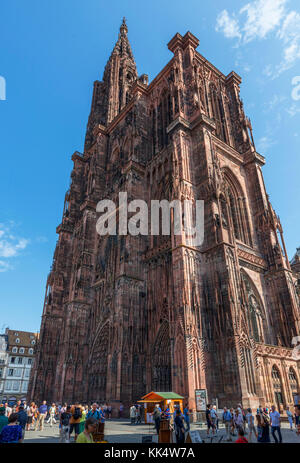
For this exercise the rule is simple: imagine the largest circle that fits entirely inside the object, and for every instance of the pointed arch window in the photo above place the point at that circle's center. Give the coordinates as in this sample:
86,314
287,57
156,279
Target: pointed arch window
293,381
239,219
218,113
161,354
255,312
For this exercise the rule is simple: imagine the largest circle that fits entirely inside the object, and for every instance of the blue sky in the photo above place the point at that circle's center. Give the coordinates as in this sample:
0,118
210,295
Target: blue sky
51,52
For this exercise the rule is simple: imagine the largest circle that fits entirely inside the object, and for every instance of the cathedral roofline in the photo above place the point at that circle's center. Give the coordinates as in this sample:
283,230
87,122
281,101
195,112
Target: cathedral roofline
296,257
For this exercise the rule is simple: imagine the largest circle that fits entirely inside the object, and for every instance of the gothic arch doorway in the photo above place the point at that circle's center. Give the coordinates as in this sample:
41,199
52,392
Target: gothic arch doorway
97,369
161,360
277,386
256,319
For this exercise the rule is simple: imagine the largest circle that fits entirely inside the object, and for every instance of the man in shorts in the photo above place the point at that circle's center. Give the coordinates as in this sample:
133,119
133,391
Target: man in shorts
76,412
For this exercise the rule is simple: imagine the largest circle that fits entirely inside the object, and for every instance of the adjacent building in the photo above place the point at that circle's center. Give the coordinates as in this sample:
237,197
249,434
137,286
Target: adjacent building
20,347
3,363
124,314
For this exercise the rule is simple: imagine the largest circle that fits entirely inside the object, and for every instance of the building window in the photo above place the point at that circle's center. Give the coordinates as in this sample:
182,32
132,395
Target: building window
16,334
16,386
8,385
10,372
20,360
293,380
33,342
12,359
29,361
25,386
18,372
30,351
27,373
18,341
0,372
22,350
14,350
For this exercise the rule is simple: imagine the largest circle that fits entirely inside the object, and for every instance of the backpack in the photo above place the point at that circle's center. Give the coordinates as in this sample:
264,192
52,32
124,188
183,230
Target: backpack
65,419
77,413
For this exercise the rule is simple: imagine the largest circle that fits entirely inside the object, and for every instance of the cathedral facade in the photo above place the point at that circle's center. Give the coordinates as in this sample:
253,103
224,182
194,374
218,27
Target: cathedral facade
124,315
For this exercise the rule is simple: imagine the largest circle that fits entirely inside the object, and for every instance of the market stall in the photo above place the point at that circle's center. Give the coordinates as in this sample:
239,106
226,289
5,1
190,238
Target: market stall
164,399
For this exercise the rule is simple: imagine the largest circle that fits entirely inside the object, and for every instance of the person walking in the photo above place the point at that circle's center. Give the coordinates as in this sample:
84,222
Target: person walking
22,419
8,410
52,413
208,418
290,417
186,415
76,412
29,412
132,413
213,418
179,428
263,428
3,418
42,415
227,420
65,417
121,409
250,422
94,412
157,417
238,419
232,428
86,437
138,414
275,424
12,432
82,420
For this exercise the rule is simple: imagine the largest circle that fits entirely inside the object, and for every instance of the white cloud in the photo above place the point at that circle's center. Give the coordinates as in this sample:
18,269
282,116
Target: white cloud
276,100
4,266
229,26
264,143
289,33
10,246
262,18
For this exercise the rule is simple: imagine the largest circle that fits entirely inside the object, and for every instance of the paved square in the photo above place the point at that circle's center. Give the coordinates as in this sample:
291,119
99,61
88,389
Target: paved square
122,431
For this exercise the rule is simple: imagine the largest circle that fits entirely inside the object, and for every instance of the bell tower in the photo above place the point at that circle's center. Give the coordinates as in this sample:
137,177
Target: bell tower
113,92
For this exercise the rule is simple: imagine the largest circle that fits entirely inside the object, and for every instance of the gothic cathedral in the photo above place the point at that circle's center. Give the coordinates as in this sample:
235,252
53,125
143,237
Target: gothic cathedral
124,315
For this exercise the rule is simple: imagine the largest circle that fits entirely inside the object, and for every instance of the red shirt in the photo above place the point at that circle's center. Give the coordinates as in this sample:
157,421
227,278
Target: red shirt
241,440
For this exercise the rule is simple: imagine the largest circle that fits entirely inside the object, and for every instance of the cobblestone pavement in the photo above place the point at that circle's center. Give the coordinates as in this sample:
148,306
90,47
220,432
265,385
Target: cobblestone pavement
121,431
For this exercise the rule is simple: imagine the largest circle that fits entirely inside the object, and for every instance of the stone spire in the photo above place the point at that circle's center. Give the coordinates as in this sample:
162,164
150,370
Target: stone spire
113,92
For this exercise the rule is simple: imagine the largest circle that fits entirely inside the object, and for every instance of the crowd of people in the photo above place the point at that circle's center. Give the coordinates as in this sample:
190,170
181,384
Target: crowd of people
241,422
179,421
79,419
83,420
